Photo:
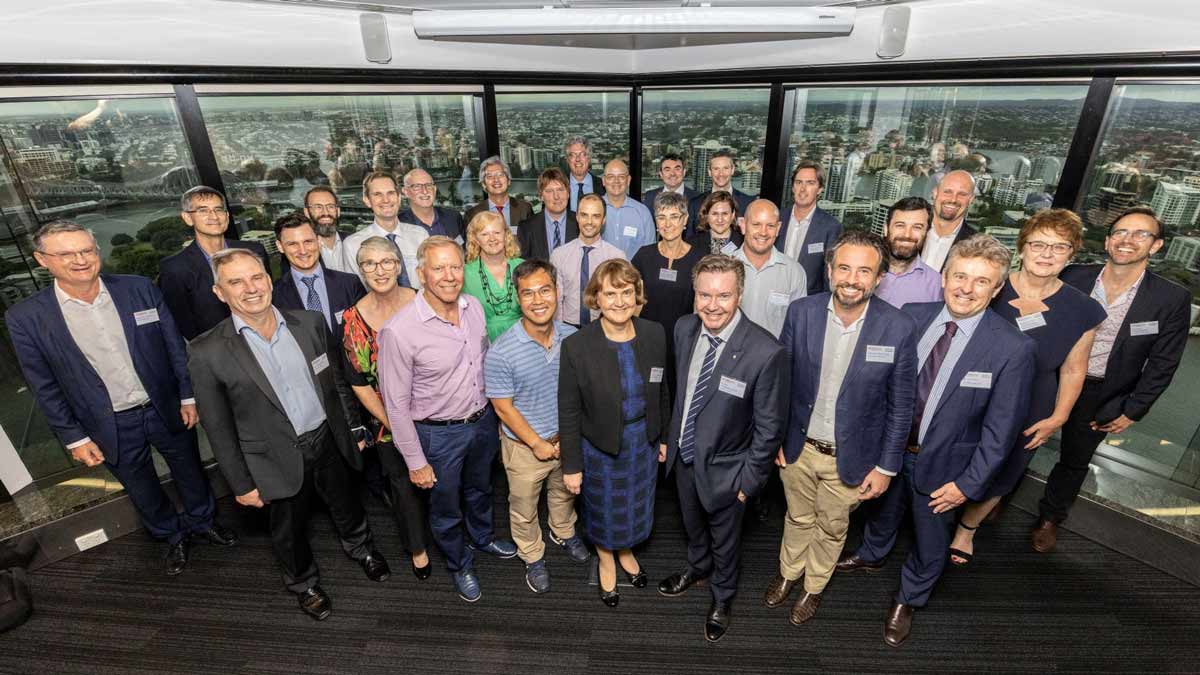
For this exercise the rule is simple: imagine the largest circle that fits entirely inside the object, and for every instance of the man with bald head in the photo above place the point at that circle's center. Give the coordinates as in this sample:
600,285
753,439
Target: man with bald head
952,198
421,192
629,224
773,280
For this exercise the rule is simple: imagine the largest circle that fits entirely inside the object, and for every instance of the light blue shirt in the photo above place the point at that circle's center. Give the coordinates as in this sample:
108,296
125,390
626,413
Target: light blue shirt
322,292
628,227
506,213
520,368
587,188
283,362
562,230
966,328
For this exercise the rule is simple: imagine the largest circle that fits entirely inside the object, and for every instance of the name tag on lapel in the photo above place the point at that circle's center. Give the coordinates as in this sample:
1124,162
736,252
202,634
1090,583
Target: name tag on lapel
656,375
320,363
732,386
977,380
1143,328
629,231
728,248
338,317
818,247
151,316
1031,321
881,354
779,299
668,275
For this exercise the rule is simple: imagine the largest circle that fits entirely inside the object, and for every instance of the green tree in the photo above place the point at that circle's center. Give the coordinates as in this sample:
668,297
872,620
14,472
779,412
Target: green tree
121,239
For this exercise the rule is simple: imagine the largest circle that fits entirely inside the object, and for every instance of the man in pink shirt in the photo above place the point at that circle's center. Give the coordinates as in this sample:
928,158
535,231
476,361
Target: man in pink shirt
431,356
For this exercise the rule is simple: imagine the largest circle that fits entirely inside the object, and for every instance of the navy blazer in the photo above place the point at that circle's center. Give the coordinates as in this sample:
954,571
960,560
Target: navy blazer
186,281
69,391
653,193
343,290
1140,367
737,437
973,428
742,199
874,408
531,235
823,231
449,222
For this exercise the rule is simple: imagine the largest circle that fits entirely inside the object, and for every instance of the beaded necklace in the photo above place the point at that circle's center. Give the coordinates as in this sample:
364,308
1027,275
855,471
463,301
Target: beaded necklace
499,304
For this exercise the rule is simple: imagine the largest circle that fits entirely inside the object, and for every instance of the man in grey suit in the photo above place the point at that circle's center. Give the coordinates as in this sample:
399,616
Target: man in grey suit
275,406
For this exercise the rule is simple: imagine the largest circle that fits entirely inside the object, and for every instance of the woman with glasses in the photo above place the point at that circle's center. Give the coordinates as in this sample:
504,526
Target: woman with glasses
491,257
379,261
1063,321
718,231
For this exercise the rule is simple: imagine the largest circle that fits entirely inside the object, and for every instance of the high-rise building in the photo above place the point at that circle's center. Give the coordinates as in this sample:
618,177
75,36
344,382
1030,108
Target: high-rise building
1047,169
892,184
524,158
984,183
879,211
751,178
1117,177
1186,252
835,182
1022,169
1176,205
1008,237
1111,203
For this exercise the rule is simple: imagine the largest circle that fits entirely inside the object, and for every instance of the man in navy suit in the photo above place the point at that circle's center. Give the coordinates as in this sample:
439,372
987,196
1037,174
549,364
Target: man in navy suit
108,369
720,170
421,192
808,230
726,427
555,225
853,363
975,371
186,277
672,171
307,283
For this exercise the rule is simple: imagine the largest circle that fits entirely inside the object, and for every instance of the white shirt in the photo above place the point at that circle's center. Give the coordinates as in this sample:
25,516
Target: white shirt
332,257
839,344
937,247
408,238
769,291
797,231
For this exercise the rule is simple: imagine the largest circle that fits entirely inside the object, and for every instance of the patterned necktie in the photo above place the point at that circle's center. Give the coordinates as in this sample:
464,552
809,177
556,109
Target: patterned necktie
929,373
403,276
687,442
313,303
585,274
557,236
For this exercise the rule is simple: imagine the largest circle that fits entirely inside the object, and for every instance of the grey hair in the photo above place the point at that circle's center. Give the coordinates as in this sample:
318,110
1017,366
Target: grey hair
982,246
185,201
378,243
57,227
436,241
861,238
580,140
670,200
493,160
227,255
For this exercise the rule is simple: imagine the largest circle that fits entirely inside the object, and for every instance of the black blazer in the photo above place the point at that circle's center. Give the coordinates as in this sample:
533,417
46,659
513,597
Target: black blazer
589,390
703,238
823,229
743,200
652,194
1140,367
343,289
737,437
186,281
531,235
247,427
519,210
449,222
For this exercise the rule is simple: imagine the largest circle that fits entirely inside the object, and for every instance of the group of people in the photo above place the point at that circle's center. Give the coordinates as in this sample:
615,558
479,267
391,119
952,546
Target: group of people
590,344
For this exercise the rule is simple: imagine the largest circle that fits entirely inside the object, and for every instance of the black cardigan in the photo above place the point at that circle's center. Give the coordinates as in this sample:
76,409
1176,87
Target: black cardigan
589,391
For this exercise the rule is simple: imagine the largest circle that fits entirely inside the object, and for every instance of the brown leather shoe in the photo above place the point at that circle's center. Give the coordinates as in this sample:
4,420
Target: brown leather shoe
898,624
1044,536
805,608
852,563
778,591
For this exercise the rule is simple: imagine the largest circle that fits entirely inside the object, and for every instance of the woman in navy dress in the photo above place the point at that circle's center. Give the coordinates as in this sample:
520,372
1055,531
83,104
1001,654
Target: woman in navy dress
613,414
1063,321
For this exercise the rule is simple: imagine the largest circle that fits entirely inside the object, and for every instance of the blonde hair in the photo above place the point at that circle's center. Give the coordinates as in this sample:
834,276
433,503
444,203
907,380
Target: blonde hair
482,220
982,246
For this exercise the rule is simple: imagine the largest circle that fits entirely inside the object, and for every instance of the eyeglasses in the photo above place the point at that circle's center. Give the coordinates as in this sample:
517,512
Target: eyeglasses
1041,246
323,208
577,155
616,176
209,211
671,217
1136,235
493,175
369,266
82,254
421,187
543,292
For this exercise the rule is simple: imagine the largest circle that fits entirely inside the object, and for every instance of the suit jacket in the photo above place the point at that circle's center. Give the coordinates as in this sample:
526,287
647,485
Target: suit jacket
737,437
186,281
69,392
519,211
531,235
743,200
597,187
343,290
973,428
652,194
1140,367
874,408
449,222
703,239
589,392
246,424
823,231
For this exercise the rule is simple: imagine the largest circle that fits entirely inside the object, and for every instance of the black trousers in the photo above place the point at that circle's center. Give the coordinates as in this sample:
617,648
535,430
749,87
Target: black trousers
1079,443
408,506
325,475
714,539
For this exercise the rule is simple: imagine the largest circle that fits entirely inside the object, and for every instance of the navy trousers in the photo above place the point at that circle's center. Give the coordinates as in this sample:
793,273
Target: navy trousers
714,539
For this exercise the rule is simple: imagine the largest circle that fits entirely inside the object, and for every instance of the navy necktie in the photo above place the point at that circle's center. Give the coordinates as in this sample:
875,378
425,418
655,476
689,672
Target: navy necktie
403,276
313,302
585,274
557,237
687,441
578,195
929,373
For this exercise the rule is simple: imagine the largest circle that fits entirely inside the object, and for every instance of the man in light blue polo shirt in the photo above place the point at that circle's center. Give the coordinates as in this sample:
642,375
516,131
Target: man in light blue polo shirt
629,225
521,379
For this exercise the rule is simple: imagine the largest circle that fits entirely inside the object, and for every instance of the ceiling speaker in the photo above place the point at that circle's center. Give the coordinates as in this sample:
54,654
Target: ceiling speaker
893,33
375,37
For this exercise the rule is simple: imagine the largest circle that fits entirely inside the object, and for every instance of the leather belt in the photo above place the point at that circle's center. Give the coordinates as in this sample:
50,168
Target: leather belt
136,408
822,447
914,449
1093,380
449,423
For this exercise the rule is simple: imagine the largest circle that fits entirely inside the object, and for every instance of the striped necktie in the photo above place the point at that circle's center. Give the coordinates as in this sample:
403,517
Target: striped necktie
687,442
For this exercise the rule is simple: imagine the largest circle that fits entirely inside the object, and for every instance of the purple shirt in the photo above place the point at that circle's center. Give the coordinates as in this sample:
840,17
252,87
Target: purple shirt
921,283
430,369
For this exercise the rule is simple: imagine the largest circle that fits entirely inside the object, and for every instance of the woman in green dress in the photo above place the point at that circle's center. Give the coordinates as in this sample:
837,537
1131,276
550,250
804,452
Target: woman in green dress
491,258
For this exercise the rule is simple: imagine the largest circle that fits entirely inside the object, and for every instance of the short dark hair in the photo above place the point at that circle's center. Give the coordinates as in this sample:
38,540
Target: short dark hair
185,201
671,157
1139,210
728,154
911,204
319,188
809,164
530,267
861,238
292,220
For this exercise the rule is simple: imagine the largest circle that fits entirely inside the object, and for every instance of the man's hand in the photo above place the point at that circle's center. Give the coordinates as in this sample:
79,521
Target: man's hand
741,496
873,485
662,452
573,481
189,415
1041,432
1116,426
251,498
947,497
780,460
362,444
423,477
88,453
543,450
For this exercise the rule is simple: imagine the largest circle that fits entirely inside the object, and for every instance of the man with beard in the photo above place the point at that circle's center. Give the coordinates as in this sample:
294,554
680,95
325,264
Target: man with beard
1133,358
575,260
773,280
322,210
851,359
951,199
808,230
496,178
382,196
421,192
908,278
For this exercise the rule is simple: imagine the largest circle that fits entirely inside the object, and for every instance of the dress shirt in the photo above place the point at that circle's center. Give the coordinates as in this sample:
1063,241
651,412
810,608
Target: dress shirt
681,190
797,230
332,256
289,373
840,342
1106,334
506,213
966,328
937,247
518,367
566,259
431,369
408,239
629,226
921,283
322,292
769,291
574,185
697,363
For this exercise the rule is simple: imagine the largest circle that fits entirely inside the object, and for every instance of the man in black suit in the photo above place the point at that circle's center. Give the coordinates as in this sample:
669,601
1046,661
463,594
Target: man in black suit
578,153
186,277
307,283
672,171
952,197
543,232
807,231
278,413
720,170
1133,358
727,425
421,191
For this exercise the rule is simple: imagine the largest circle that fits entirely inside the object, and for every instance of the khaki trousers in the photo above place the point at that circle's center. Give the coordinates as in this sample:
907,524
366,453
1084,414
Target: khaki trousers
526,475
818,515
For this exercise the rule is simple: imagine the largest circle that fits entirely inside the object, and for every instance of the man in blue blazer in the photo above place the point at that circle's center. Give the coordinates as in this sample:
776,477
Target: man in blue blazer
854,375
807,231
672,171
307,283
108,370
975,372
727,425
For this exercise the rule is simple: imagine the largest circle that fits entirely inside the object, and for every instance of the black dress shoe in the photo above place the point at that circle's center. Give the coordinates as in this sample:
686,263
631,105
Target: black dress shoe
315,603
177,557
636,580
219,535
422,573
677,583
375,566
718,621
610,598
852,563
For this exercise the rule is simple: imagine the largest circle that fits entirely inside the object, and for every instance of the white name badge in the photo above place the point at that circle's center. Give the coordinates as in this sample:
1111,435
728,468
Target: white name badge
656,375
728,248
818,247
977,380
1139,328
151,316
881,354
338,316
779,299
320,363
458,240
732,387
1031,321
629,231
668,275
